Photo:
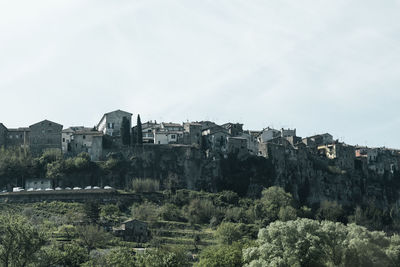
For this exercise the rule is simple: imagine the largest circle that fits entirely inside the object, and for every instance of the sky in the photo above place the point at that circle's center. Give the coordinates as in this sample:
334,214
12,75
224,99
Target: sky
317,66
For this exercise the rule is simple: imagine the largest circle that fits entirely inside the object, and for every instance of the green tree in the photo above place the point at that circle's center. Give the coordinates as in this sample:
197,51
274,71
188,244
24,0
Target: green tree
110,214
139,133
92,236
228,232
20,241
306,242
121,257
272,201
221,256
126,131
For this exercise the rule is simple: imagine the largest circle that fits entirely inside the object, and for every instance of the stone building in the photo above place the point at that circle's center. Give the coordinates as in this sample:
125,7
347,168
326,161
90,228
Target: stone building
148,129
252,143
268,134
36,184
111,122
45,135
234,129
192,133
318,140
3,135
67,135
18,137
238,146
133,231
89,141
342,154
163,137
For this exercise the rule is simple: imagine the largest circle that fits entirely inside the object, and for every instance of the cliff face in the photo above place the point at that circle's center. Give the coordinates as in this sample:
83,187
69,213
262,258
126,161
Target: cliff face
308,176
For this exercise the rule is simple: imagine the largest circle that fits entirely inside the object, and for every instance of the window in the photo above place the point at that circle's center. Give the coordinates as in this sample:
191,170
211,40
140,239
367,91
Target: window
173,136
84,137
63,140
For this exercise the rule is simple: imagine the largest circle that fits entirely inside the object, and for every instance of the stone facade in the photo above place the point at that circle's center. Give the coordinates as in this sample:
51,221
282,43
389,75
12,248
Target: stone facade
45,135
234,129
133,230
3,135
192,133
110,123
89,141
38,184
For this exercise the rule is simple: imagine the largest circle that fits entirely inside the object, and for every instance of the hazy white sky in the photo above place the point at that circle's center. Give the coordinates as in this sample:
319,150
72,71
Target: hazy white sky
318,66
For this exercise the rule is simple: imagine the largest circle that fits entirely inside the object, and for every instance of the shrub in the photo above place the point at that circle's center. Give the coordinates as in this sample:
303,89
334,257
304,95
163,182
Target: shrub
201,211
147,211
171,212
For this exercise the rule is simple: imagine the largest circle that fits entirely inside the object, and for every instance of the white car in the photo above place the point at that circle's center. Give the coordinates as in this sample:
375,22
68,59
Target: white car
108,187
58,188
30,189
49,189
68,188
17,189
76,188
39,189
88,187
96,187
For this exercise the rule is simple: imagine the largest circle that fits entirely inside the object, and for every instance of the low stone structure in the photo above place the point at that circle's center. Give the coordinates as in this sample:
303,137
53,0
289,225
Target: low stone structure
133,230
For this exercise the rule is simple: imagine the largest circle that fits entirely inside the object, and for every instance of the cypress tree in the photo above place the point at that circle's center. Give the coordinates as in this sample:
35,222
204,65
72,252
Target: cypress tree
139,132
125,131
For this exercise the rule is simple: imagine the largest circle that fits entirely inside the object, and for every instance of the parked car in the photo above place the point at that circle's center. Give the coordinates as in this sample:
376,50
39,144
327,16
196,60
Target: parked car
17,189
96,187
108,187
49,189
88,187
76,188
68,188
58,188
30,189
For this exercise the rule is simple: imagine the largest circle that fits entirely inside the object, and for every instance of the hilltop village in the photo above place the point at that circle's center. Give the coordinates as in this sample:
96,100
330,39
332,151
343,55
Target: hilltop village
203,155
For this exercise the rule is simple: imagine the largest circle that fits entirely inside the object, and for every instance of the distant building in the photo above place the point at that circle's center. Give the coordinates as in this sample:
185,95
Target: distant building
234,129
67,135
192,133
268,134
89,141
133,230
318,140
3,135
238,146
111,122
35,184
343,154
45,135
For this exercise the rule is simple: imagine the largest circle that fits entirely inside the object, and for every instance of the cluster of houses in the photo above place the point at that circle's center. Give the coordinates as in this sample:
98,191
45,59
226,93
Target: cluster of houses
216,140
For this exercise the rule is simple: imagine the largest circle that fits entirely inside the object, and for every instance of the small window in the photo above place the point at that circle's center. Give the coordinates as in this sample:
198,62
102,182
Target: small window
63,140
84,137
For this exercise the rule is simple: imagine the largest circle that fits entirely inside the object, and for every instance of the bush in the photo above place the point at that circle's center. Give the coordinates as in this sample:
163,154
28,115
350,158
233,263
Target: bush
227,233
201,211
146,211
145,185
171,212
224,255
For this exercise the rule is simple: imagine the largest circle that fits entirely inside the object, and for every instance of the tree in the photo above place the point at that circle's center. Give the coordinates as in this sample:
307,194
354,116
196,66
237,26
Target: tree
223,255
139,133
121,257
92,236
20,241
274,203
228,232
126,131
306,242
110,214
